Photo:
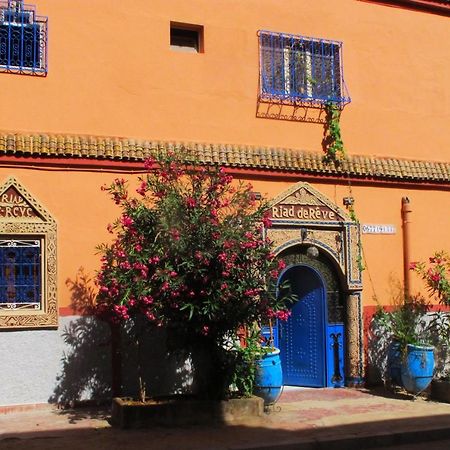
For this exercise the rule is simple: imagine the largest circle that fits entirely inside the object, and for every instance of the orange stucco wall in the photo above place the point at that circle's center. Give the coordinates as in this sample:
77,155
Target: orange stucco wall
83,211
111,72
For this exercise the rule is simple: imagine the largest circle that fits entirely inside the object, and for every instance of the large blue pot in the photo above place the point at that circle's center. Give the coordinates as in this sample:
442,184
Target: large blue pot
394,361
417,368
269,377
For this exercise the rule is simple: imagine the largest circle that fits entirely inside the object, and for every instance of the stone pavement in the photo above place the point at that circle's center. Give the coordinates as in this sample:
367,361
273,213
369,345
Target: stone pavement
309,419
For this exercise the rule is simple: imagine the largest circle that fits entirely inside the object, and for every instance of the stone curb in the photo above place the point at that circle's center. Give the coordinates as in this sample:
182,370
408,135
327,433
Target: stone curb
358,442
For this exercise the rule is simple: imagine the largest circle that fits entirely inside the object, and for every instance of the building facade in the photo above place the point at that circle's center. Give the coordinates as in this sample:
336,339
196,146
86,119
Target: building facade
90,89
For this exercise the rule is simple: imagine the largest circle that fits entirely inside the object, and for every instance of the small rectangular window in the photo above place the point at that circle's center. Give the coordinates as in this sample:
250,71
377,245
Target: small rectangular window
186,37
301,69
23,39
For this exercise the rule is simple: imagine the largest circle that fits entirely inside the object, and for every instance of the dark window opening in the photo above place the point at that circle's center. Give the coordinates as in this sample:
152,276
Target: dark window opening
186,38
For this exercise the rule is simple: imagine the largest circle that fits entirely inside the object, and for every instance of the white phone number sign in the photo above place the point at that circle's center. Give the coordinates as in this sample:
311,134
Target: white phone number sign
378,229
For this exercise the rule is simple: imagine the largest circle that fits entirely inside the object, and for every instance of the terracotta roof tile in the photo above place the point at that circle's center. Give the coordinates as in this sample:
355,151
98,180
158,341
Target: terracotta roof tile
263,158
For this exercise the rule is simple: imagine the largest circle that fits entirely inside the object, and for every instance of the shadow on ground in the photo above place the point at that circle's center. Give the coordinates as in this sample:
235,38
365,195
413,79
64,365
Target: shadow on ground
342,436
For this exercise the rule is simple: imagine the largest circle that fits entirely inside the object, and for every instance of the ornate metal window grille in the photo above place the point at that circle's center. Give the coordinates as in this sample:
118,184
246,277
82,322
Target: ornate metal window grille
23,39
20,274
299,69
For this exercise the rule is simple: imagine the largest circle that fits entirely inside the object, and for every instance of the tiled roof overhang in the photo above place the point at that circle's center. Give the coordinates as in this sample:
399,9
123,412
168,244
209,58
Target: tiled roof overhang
54,149
433,6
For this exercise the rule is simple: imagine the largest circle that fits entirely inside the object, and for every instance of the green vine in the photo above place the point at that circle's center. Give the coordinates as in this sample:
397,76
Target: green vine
359,257
332,142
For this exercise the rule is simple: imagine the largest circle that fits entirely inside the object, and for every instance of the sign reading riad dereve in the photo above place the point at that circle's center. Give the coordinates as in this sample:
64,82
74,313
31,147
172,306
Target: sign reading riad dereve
304,203
14,206
303,212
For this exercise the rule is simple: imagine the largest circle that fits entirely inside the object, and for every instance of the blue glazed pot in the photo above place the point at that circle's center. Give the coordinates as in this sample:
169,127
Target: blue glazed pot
269,378
417,368
394,360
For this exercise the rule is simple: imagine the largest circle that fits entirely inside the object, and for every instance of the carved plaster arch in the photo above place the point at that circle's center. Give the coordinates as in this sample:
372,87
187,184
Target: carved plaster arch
22,216
304,216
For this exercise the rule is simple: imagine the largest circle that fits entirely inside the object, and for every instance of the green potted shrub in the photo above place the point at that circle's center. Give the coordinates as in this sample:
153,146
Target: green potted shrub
405,327
436,273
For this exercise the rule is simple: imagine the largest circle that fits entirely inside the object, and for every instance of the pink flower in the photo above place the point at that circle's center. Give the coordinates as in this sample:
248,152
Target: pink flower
175,234
126,221
281,264
154,260
251,292
413,265
146,300
283,314
434,276
191,202
149,163
222,257
205,330
274,273
141,190
267,222
228,244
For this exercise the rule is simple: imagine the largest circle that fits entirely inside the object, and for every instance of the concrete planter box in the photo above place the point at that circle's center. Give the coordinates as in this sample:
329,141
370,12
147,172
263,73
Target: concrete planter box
440,391
175,411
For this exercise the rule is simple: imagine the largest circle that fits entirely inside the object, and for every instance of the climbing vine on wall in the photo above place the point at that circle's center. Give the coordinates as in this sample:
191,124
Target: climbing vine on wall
332,142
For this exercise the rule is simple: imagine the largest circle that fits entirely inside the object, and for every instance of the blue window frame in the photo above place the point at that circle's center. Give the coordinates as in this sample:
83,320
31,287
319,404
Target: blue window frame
23,39
299,69
20,274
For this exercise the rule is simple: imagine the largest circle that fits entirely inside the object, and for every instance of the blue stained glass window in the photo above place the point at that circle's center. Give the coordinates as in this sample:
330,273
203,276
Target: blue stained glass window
23,39
20,274
300,69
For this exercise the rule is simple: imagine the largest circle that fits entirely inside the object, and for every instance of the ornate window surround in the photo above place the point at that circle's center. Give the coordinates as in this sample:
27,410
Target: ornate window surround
32,221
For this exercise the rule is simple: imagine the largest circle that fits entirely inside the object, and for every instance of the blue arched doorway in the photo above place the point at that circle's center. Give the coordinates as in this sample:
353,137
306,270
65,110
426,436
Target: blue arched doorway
302,336
311,341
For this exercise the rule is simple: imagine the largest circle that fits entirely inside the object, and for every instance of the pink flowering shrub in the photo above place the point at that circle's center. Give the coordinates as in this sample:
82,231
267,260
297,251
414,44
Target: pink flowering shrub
189,253
436,275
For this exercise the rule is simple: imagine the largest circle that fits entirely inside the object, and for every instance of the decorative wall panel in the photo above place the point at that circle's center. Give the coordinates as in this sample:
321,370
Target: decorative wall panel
23,220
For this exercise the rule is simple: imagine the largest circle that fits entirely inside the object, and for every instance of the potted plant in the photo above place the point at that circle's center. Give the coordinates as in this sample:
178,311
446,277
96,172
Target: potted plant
410,357
269,374
436,274
188,254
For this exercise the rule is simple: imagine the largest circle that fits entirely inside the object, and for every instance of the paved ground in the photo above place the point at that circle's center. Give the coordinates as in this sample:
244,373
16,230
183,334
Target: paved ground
433,445
303,419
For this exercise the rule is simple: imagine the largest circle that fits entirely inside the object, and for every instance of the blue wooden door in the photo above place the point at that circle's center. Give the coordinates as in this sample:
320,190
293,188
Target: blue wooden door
302,337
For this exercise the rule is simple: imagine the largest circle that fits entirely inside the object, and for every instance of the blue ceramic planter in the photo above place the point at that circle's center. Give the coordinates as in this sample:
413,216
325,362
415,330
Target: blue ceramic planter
269,378
417,368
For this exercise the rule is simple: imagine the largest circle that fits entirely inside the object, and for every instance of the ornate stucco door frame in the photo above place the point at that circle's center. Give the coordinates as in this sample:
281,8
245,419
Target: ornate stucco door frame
304,216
